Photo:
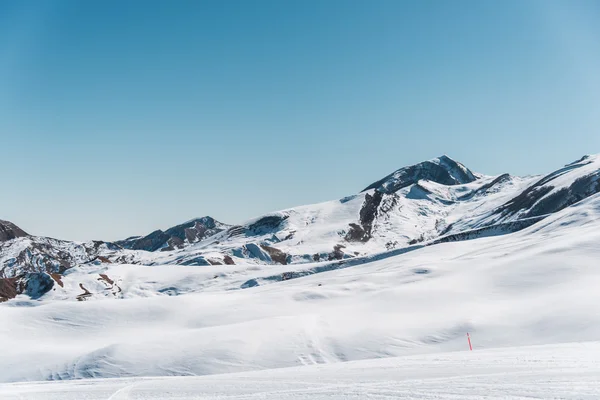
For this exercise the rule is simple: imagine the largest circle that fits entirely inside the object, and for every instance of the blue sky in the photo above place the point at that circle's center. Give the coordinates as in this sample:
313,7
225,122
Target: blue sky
121,117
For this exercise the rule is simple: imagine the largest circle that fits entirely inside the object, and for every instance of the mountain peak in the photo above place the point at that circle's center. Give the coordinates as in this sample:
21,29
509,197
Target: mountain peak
9,231
179,236
442,158
443,170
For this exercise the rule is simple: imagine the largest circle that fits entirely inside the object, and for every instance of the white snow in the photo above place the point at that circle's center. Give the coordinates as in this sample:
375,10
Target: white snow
568,371
390,322
537,286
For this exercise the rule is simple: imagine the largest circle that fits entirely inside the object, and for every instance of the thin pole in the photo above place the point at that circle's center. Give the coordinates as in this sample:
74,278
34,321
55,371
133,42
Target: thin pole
469,339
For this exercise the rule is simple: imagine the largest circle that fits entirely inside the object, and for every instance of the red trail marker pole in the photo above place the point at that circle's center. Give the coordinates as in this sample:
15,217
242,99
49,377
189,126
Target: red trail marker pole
469,339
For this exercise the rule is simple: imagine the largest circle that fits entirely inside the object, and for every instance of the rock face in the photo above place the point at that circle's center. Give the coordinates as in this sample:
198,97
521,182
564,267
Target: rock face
176,237
443,170
556,191
367,215
9,231
33,284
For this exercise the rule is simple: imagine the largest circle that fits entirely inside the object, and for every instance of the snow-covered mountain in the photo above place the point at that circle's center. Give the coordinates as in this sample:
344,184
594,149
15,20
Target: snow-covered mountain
387,272
537,286
435,201
442,170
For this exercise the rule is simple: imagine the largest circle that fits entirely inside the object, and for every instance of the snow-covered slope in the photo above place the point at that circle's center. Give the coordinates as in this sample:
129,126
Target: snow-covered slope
567,371
536,286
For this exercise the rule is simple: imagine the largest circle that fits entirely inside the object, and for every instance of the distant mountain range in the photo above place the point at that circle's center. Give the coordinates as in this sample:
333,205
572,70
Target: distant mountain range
435,201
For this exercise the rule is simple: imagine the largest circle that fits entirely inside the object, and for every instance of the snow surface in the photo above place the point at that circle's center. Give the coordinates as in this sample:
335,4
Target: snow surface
537,286
568,371
387,321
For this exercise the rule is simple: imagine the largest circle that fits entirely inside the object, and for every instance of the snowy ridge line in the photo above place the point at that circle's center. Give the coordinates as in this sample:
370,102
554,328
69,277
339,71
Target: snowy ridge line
432,202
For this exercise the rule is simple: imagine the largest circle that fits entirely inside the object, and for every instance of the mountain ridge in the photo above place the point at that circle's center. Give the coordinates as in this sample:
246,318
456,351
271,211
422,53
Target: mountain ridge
418,204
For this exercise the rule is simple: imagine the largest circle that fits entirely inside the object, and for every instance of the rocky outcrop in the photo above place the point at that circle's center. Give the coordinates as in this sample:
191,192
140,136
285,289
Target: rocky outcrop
33,284
367,215
276,255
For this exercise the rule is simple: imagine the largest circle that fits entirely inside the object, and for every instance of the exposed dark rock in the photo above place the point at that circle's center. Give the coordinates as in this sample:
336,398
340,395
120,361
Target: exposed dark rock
289,236
391,245
337,253
537,200
8,289
369,210
416,240
173,238
275,254
151,242
37,284
200,260
196,229
96,246
106,278
58,279
98,260
265,225
34,284
442,170
367,214
83,296
357,234
173,243
228,260
9,231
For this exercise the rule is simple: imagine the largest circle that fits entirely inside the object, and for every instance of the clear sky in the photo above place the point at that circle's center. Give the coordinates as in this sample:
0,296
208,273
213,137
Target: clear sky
121,117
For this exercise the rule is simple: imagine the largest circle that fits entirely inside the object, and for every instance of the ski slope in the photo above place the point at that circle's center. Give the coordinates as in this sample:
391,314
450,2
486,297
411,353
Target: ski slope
567,371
